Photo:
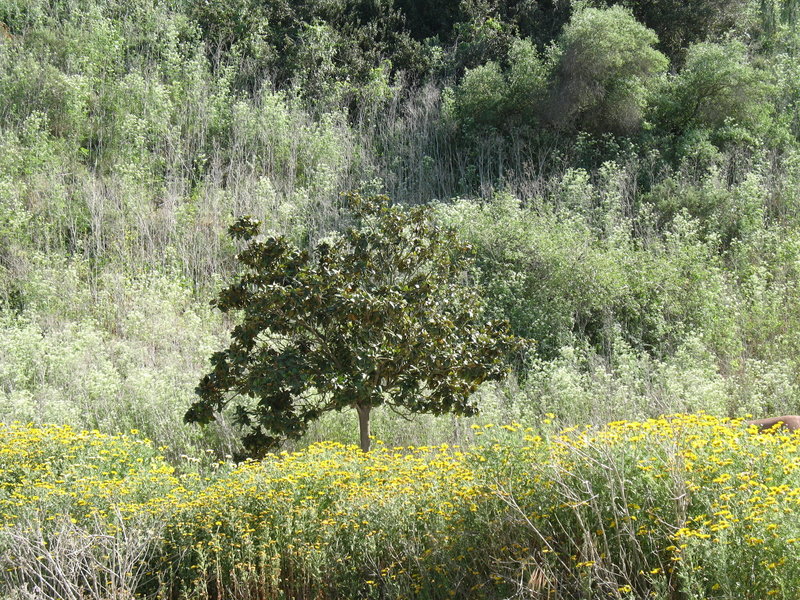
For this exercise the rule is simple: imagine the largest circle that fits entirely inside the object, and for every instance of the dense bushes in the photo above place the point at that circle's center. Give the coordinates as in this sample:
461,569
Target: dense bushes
635,215
641,213
628,179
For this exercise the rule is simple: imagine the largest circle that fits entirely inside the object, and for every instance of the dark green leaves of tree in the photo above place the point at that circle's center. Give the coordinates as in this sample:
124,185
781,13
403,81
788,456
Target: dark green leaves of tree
378,315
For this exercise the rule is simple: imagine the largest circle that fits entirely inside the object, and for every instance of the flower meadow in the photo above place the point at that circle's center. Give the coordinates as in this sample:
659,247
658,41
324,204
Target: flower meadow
685,506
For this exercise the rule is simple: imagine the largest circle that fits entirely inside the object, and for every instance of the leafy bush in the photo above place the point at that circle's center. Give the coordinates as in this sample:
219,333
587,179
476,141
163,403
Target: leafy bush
607,67
511,102
718,89
569,275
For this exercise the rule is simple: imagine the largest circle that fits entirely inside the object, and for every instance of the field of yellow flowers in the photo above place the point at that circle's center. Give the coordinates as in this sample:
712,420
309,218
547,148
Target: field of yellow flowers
686,506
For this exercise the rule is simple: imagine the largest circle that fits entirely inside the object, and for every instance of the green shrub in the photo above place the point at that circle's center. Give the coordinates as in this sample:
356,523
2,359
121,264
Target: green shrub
607,66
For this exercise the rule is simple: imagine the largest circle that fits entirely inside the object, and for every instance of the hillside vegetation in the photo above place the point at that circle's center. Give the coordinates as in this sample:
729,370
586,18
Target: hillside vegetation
627,175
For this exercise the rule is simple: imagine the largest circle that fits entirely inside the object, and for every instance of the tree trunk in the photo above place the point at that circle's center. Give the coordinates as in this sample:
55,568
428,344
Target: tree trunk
363,425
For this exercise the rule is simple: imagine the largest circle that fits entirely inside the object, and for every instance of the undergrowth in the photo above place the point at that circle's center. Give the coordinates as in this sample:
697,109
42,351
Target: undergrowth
686,506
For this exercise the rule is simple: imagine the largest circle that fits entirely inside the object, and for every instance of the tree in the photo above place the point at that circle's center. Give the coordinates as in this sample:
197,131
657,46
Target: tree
680,23
607,67
377,315
718,87
508,102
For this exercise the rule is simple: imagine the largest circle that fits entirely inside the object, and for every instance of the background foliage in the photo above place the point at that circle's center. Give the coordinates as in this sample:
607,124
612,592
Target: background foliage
631,194
627,174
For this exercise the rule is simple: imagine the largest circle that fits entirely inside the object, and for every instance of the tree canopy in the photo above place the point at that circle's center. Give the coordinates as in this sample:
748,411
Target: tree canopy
608,63
380,314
